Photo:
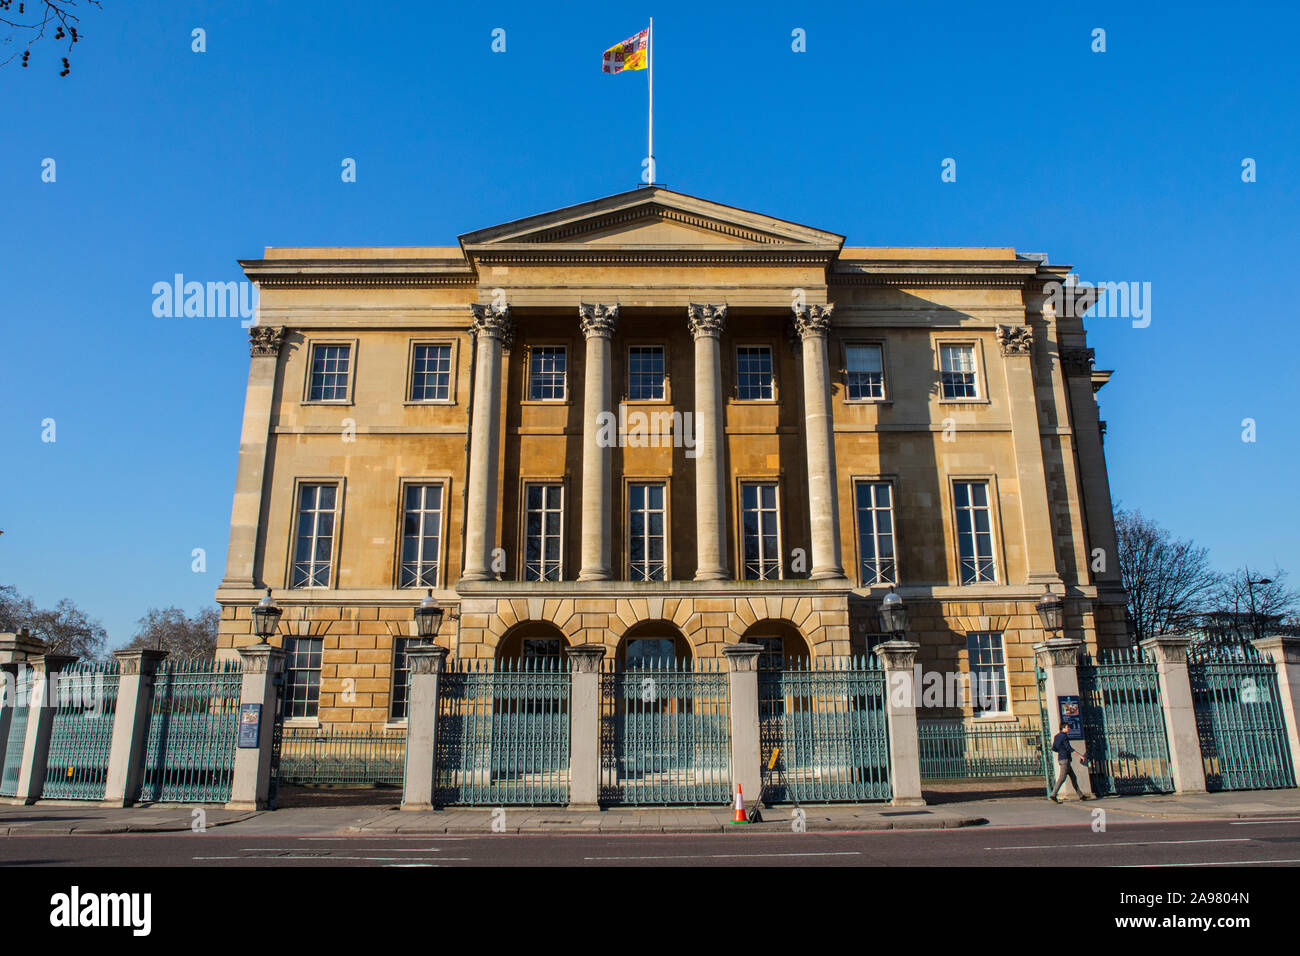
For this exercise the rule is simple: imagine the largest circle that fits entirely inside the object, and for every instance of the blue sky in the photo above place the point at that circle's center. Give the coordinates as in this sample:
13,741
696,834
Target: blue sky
1126,164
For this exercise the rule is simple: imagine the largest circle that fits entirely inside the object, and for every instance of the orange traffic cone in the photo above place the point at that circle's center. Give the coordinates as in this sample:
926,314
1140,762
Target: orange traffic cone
740,806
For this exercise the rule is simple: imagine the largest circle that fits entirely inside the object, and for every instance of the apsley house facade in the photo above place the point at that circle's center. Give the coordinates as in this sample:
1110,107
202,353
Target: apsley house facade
664,425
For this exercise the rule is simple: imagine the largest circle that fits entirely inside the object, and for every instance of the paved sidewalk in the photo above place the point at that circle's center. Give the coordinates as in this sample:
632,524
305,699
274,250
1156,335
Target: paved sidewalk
64,818
381,817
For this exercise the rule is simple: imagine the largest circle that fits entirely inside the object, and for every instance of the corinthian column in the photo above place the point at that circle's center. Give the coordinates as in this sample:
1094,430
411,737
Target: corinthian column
597,323
491,328
813,324
706,323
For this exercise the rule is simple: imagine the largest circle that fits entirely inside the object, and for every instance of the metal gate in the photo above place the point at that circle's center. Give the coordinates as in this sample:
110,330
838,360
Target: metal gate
967,750
193,729
81,732
665,734
1239,720
829,719
1124,723
14,746
503,733
343,758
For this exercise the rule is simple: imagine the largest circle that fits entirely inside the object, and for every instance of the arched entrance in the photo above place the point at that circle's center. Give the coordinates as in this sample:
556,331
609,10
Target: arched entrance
781,642
652,643
532,640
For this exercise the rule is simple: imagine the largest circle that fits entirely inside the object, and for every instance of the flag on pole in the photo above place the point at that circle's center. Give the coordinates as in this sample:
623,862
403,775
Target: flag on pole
628,55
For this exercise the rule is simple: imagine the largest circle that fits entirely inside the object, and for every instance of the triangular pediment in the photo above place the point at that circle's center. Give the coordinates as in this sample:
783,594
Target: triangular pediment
652,218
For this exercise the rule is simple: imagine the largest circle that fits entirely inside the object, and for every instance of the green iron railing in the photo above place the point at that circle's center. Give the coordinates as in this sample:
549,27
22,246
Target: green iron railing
193,729
1124,723
1239,719
81,732
344,758
1044,730
665,734
965,749
503,733
828,717
13,760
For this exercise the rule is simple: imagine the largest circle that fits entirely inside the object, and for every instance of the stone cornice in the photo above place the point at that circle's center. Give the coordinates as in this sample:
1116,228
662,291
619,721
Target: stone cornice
584,254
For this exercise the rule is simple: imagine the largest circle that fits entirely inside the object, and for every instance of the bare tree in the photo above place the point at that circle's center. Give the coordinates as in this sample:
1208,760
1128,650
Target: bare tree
170,629
33,19
65,628
1169,582
1246,601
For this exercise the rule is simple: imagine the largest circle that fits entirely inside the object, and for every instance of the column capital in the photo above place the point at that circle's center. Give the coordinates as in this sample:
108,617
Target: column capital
585,658
898,654
742,657
262,658
426,658
1059,652
265,339
1167,648
597,320
139,660
1015,339
812,320
1078,361
493,322
706,320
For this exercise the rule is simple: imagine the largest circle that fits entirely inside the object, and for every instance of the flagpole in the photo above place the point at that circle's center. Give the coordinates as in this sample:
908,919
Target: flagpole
650,56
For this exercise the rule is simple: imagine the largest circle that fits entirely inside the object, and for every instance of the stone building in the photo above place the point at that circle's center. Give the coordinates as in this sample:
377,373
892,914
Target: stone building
663,424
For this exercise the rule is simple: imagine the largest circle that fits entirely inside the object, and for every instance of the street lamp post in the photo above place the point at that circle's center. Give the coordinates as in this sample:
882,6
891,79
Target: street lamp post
1051,612
893,615
1250,592
266,615
428,617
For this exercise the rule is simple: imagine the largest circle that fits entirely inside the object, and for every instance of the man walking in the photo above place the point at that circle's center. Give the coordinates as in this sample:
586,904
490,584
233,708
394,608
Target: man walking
1064,768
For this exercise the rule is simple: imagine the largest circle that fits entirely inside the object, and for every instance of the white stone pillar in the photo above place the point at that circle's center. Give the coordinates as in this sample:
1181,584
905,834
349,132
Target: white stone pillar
1059,659
40,721
427,662
706,323
812,323
1285,651
598,323
584,725
136,670
899,658
491,328
245,513
1170,654
746,754
251,787
15,649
